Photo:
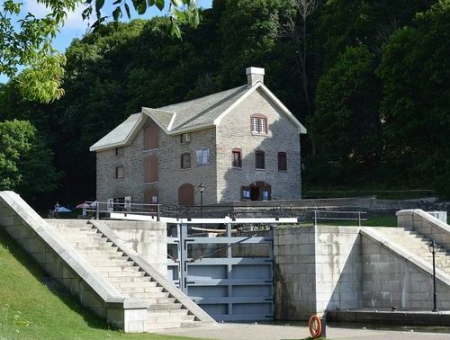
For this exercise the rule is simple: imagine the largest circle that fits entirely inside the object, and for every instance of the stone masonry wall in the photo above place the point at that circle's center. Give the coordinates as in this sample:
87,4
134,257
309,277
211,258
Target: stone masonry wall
234,131
131,158
171,176
390,281
295,271
338,268
317,269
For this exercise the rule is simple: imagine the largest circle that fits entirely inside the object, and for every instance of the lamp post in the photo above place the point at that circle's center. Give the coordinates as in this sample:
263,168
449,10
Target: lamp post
201,188
432,249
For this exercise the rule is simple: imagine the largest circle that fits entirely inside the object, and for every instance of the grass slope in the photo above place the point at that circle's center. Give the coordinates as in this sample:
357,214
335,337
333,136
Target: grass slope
33,306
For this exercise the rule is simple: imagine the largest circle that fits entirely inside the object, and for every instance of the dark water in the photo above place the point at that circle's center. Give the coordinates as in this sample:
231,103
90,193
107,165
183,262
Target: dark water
387,327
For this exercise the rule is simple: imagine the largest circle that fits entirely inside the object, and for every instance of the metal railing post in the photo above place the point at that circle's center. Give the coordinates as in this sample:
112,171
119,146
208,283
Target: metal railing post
97,211
158,217
315,217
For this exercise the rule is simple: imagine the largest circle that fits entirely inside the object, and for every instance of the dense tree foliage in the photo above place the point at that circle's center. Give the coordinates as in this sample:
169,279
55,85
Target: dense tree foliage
416,102
346,124
372,92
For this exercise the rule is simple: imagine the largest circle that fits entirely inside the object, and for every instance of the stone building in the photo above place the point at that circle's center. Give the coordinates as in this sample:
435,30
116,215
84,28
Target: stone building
240,144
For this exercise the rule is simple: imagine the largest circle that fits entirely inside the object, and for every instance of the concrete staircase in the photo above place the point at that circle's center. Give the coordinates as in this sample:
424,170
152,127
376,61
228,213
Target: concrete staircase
130,279
417,244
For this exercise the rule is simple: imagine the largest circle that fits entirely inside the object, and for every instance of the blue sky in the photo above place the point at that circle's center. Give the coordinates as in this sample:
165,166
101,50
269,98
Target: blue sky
75,27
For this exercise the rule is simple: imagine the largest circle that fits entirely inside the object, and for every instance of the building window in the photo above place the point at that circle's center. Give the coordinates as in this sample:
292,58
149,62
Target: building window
282,161
185,138
259,160
203,156
185,160
119,172
259,124
237,158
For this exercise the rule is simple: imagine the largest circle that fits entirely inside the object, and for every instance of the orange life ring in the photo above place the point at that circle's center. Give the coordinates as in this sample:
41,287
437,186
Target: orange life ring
315,327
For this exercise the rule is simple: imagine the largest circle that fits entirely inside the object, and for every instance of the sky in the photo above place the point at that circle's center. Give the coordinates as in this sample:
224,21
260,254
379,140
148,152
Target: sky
76,27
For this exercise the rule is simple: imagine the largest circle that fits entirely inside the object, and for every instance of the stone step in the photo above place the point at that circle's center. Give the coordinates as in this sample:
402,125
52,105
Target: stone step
78,241
138,284
124,274
113,269
154,318
142,289
102,263
98,247
103,255
150,296
129,279
166,308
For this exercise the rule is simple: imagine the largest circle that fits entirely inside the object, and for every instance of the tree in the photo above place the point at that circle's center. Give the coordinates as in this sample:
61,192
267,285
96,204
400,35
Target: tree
344,23
299,32
346,124
15,141
416,98
25,161
27,40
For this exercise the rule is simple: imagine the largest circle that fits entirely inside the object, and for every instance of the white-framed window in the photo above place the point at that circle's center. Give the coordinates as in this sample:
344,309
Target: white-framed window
203,156
185,138
258,124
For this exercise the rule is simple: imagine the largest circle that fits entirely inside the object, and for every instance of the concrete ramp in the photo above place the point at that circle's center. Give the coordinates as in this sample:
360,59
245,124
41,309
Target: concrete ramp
113,281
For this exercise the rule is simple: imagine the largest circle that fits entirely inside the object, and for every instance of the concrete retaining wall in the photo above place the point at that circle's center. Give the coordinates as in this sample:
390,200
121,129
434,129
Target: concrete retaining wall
149,239
316,269
62,262
325,268
394,277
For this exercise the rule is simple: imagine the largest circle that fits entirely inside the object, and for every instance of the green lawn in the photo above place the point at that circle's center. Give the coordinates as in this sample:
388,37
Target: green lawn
29,309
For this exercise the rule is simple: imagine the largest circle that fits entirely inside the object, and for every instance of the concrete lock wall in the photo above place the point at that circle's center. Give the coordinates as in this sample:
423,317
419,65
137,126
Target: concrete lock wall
147,238
316,269
390,280
320,269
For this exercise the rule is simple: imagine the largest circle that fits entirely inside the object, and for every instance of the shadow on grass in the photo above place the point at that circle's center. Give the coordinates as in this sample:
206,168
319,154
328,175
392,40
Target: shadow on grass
53,286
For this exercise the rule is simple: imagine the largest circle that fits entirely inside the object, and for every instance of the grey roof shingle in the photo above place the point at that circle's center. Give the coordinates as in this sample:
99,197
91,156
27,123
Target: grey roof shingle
203,111
119,134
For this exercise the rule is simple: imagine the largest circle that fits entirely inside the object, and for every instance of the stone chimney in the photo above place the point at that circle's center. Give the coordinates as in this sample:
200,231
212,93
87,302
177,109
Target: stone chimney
254,74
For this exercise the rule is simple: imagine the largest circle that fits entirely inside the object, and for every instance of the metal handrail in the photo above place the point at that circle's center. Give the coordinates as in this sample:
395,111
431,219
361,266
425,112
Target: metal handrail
216,211
358,218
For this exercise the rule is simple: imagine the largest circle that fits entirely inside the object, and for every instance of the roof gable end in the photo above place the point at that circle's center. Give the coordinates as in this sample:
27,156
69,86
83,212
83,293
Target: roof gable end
275,100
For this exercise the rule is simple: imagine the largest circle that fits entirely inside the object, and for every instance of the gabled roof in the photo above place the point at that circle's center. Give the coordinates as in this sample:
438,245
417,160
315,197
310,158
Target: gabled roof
188,116
121,135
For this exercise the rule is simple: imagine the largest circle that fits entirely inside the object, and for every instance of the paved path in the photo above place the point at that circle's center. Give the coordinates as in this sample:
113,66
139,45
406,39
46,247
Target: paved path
277,332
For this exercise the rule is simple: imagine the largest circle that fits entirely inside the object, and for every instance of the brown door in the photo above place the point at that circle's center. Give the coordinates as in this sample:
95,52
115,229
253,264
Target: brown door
260,191
151,196
186,194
